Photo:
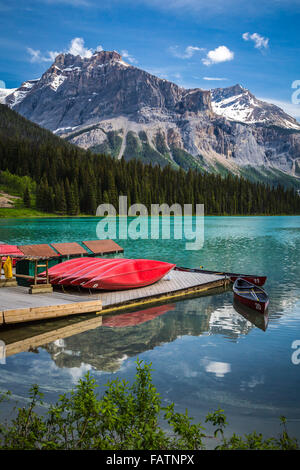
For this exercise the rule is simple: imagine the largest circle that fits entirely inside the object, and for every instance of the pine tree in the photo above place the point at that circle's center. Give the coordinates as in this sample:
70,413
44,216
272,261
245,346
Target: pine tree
70,199
27,197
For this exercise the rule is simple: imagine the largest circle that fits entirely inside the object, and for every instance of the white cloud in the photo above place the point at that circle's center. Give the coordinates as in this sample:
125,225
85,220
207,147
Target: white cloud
214,78
78,373
188,52
128,57
218,368
259,41
76,47
220,54
2,84
37,56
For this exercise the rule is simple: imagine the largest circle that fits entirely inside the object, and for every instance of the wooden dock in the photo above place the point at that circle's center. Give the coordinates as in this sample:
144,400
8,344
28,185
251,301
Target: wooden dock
177,284
40,255
17,306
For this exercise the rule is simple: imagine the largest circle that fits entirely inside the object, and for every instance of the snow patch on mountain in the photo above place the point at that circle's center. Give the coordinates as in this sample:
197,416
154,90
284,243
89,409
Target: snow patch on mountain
57,81
239,104
17,95
4,92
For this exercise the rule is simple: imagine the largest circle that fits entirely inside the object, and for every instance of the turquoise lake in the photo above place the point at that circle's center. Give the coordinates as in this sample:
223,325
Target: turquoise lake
205,354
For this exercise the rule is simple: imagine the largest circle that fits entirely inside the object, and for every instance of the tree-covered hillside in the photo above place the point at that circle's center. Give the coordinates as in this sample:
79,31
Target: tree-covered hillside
70,180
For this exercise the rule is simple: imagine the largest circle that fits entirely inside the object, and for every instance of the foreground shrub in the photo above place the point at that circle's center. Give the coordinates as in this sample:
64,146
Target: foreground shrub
126,417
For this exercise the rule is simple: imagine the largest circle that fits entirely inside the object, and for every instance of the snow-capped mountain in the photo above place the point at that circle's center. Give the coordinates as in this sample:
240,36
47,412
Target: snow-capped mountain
17,95
4,92
104,104
239,104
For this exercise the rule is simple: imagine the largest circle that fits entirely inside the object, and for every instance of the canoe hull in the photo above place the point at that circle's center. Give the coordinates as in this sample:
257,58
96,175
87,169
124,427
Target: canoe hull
9,250
254,279
132,274
253,304
85,276
68,271
250,295
257,280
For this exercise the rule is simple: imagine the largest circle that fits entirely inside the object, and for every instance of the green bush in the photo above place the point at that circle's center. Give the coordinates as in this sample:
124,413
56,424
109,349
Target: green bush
15,184
125,418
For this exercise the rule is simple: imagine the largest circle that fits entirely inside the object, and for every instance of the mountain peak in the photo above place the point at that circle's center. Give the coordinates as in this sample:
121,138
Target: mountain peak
101,57
236,103
237,89
228,92
102,103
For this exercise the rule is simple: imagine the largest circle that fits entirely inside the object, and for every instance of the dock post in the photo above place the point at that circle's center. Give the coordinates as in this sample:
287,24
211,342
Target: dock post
40,288
47,274
35,272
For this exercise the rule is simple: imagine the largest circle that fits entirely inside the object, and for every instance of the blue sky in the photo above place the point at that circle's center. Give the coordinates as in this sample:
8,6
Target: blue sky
193,43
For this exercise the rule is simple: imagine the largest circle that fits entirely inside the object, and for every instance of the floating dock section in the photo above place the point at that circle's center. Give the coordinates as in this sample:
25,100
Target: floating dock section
17,306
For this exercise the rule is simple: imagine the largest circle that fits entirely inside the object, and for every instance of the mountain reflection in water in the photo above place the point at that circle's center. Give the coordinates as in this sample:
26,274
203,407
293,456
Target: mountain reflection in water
104,342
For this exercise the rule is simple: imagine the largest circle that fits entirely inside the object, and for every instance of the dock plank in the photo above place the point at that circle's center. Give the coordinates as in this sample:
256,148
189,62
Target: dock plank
51,311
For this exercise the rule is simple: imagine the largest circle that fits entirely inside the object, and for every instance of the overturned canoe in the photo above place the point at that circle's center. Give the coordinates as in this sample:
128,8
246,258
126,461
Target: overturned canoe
85,274
132,273
9,250
65,266
64,277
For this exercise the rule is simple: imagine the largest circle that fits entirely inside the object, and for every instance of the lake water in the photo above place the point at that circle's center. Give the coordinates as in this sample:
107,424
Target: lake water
205,354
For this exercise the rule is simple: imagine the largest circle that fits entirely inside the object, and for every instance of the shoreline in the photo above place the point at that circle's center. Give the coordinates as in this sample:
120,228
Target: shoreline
56,216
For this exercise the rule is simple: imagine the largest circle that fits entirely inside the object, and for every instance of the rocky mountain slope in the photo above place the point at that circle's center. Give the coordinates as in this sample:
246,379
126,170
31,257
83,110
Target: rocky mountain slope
104,104
239,104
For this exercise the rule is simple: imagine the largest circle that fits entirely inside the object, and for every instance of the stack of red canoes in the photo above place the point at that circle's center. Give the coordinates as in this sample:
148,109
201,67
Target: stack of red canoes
108,274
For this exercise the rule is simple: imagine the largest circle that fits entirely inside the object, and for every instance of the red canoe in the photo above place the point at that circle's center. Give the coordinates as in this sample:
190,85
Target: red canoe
10,250
257,280
253,278
86,275
67,273
129,275
63,267
249,294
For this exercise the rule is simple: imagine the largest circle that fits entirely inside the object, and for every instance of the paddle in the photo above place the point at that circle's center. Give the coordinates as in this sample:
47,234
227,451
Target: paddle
254,295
